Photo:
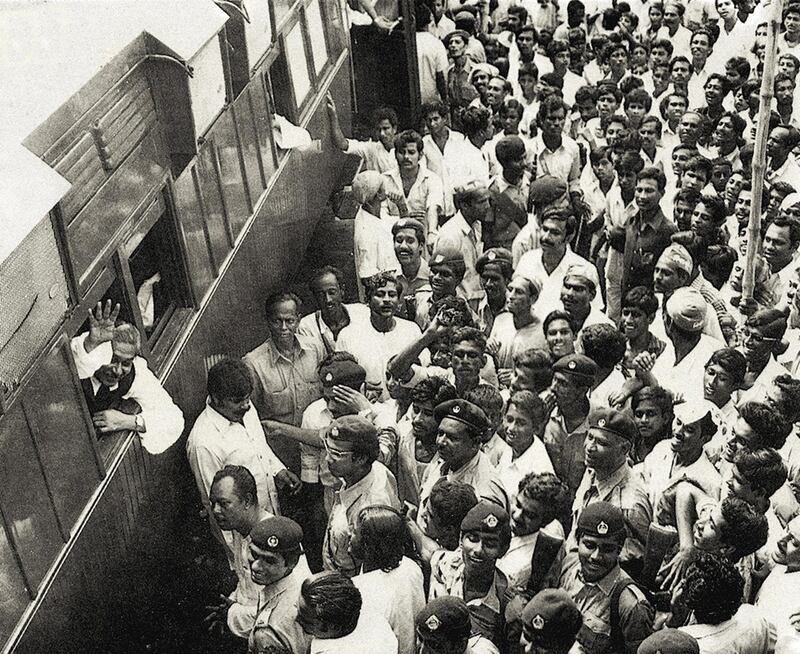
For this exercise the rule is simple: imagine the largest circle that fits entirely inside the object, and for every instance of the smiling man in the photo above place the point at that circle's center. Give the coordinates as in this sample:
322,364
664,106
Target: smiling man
278,565
470,572
593,579
121,391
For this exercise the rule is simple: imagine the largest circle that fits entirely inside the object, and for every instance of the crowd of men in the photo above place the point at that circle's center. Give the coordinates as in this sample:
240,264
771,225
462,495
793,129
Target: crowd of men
553,423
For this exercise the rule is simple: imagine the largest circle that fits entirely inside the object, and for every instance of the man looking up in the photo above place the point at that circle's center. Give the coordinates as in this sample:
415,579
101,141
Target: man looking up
378,155
609,478
278,565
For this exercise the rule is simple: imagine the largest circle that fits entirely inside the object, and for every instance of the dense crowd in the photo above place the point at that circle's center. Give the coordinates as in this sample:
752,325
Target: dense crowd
553,423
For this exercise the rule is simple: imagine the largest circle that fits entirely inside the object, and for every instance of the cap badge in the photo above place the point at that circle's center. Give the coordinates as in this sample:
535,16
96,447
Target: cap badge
537,622
491,256
433,623
438,258
571,365
273,541
329,377
601,422
335,432
456,409
602,528
490,521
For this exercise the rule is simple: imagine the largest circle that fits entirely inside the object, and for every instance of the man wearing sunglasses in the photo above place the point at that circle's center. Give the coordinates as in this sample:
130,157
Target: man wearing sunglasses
761,340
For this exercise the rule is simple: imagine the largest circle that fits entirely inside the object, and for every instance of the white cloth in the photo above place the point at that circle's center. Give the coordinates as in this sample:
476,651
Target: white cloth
531,266
779,599
373,245
747,632
313,468
163,419
375,156
512,341
313,326
371,635
431,59
398,596
534,460
685,380
373,349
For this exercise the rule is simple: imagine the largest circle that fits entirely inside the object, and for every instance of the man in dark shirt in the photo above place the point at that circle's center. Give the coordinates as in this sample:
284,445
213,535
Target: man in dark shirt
647,234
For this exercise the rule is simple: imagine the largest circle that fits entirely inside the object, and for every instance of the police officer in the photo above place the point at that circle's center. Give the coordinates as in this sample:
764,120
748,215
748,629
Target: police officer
550,623
278,564
444,627
609,478
616,613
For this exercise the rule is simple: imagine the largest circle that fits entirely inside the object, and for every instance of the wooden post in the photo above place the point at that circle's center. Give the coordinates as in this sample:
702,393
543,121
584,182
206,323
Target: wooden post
760,150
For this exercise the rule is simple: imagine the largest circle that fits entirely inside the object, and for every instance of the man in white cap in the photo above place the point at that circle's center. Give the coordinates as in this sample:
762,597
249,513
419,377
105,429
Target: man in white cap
673,271
681,366
373,244
683,457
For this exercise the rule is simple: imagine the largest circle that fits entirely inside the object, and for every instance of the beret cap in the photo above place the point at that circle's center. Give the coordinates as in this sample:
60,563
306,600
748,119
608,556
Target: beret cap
578,366
462,411
487,517
669,641
500,257
615,422
444,618
601,519
552,615
277,534
347,373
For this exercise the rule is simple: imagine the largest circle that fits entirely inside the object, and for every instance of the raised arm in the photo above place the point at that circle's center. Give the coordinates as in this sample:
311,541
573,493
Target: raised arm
339,139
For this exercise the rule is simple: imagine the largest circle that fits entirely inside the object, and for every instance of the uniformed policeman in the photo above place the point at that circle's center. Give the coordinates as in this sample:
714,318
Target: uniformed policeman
609,478
495,267
461,424
444,627
470,572
616,613
573,376
278,564
447,270
669,641
550,623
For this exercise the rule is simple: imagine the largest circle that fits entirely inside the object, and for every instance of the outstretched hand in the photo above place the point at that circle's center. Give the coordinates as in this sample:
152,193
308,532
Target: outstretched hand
101,324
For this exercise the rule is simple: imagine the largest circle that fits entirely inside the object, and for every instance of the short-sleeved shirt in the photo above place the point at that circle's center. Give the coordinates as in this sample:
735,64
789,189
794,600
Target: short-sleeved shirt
594,602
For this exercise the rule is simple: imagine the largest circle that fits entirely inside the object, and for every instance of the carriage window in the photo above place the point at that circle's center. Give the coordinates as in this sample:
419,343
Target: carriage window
298,64
316,33
156,270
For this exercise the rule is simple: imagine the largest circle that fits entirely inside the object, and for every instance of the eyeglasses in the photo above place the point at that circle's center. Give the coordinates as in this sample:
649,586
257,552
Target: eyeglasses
746,334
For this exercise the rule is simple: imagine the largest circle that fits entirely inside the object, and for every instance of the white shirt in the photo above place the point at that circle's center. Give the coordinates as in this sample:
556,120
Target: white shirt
447,164
747,632
375,156
373,245
534,460
424,197
458,234
315,328
373,349
431,59
779,598
371,635
516,563
531,266
685,379
512,341
163,419
313,468
398,596
215,442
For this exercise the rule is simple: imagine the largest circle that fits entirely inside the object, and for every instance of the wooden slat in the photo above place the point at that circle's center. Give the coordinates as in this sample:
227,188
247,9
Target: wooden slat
133,100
